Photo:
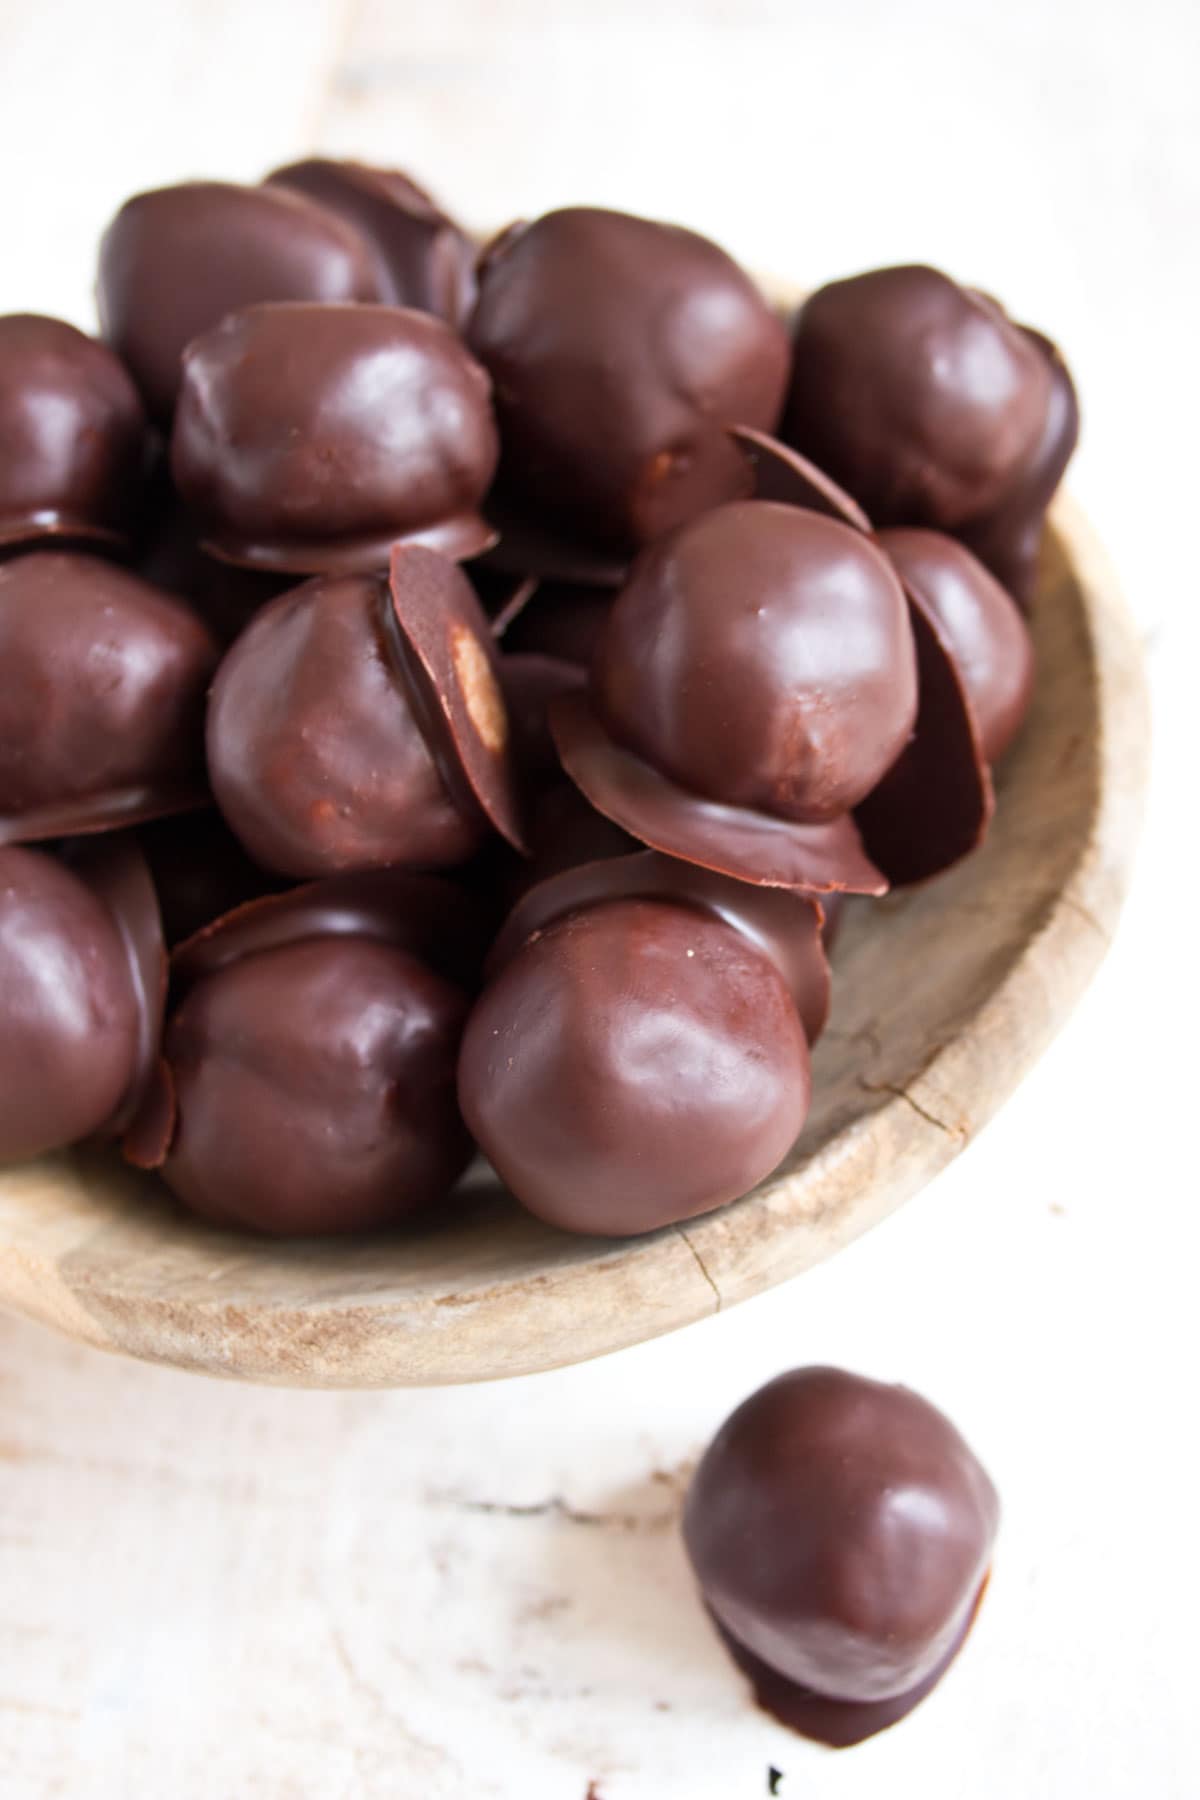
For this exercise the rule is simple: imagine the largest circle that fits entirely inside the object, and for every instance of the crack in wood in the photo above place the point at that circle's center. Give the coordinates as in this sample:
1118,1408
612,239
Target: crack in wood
959,1132
702,1266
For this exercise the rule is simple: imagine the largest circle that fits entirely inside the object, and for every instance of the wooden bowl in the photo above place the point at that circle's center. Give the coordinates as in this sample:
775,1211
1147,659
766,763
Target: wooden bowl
944,997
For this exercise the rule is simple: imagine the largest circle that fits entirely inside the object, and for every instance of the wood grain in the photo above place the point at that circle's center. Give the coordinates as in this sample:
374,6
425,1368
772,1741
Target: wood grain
944,997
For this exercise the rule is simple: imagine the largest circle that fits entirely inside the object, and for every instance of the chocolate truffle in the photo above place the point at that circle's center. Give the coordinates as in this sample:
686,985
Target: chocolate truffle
311,438
620,348
980,625
358,722
841,1531
73,441
72,1026
424,259
919,396
102,702
309,1067
635,1063
174,261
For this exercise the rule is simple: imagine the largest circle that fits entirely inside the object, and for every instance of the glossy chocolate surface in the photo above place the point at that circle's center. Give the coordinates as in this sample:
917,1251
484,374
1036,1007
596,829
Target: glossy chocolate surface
634,1064
738,841
424,259
312,438
762,657
934,804
620,348
175,260
979,624
69,1047
785,927
331,745
313,1088
73,439
102,702
919,396
841,1530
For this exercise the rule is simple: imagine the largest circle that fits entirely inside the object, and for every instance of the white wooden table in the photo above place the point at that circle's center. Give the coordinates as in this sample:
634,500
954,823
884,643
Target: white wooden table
213,1592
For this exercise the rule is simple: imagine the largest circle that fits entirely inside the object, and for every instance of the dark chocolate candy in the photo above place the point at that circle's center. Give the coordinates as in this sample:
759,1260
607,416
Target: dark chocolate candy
934,804
620,349
358,723
1008,540
761,656
919,396
635,1063
225,597
73,439
979,624
102,702
174,261
841,1531
309,1073
74,1028
312,438
785,926
529,684
424,259
783,475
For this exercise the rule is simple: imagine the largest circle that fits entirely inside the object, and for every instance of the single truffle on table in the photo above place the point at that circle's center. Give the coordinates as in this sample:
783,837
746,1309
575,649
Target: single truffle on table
175,260
755,679
358,722
640,1054
311,438
841,1532
73,438
307,1085
83,977
620,349
927,403
424,259
102,702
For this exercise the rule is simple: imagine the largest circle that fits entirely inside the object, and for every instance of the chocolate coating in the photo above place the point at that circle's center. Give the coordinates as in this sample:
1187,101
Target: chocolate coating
919,396
1008,540
174,261
634,1064
980,625
753,846
102,702
762,657
314,1088
73,442
311,438
841,1530
200,871
424,259
330,746
70,1031
225,597
620,348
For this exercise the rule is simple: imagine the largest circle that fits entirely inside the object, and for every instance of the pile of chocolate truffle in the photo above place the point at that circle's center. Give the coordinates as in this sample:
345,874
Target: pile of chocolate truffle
446,694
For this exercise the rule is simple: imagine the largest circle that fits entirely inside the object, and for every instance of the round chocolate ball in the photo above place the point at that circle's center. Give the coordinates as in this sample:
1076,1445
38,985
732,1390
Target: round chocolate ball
841,1530
620,349
328,745
314,1088
73,443
312,438
102,702
761,656
635,1063
174,261
980,625
919,396
69,1033
424,259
